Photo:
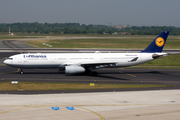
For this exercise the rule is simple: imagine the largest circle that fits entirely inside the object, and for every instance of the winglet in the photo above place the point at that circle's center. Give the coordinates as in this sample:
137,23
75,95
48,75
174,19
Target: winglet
158,43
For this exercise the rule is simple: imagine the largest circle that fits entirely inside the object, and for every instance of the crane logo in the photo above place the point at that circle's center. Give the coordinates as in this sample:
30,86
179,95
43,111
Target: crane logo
159,41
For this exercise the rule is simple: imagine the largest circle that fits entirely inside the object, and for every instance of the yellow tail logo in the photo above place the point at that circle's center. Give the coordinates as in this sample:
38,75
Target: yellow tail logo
159,41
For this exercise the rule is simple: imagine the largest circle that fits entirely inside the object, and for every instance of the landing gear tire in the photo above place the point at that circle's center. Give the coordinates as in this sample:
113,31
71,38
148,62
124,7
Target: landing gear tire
21,72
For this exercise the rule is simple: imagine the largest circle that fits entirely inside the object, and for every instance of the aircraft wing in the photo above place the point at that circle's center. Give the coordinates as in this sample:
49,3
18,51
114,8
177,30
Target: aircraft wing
89,63
97,64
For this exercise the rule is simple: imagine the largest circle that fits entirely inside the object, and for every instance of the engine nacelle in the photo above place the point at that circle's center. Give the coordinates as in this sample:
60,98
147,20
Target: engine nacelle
74,69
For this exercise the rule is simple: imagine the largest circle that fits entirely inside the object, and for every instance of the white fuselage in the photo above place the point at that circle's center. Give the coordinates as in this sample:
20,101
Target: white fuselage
98,60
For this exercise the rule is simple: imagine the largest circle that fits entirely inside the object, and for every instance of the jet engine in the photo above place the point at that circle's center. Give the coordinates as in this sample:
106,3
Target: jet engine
74,69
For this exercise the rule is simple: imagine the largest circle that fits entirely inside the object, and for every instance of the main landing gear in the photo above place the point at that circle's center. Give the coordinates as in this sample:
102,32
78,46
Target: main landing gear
89,72
94,73
21,71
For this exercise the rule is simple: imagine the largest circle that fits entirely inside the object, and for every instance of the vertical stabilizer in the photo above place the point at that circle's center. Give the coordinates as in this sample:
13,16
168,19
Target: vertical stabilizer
158,43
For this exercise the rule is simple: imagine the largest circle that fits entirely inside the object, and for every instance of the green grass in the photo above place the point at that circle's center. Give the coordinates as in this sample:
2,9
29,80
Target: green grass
133,42
156,67
7,86
111,43
72,35
16,37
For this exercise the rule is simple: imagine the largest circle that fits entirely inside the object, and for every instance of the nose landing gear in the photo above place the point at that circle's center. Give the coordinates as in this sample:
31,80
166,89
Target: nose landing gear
21,71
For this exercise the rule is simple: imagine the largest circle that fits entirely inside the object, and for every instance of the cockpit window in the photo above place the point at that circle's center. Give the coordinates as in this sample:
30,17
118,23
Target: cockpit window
10,58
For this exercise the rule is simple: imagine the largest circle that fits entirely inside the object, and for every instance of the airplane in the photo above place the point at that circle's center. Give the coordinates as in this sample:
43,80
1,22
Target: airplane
77,63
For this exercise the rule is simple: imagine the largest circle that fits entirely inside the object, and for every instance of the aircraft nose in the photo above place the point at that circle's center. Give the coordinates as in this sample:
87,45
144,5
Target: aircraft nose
5,61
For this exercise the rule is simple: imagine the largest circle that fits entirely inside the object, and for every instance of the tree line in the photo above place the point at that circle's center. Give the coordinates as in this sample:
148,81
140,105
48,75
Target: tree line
151,30
76,28
56,28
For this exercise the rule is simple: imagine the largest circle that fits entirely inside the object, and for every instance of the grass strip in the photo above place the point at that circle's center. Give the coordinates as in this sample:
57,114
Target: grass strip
156,67
111,43
7,86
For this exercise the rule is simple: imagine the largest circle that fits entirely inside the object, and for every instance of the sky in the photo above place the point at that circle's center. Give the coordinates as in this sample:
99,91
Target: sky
96,12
